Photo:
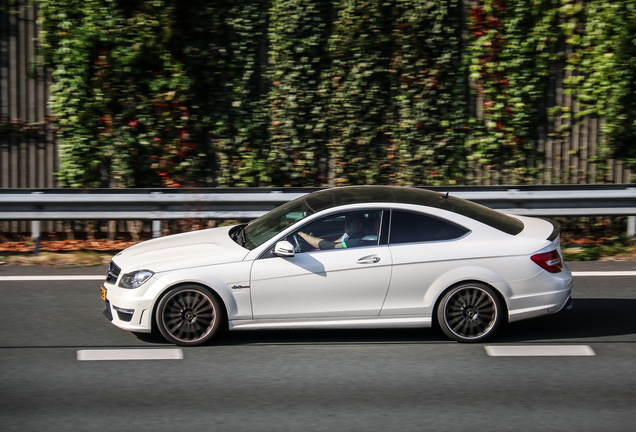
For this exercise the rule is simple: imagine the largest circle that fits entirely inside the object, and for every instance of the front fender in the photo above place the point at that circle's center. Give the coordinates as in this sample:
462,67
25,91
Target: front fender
220,279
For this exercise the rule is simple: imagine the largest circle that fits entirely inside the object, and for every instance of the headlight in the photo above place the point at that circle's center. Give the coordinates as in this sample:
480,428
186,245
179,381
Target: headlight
135,279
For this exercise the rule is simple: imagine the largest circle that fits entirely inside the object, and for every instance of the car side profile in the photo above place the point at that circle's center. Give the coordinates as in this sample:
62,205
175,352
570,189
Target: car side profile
348,257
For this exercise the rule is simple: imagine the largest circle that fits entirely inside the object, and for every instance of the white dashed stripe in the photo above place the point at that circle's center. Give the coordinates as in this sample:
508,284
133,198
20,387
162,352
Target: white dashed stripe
540,351
130,354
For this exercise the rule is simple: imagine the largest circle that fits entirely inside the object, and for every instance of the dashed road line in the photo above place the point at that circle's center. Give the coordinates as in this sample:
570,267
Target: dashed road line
177,354
130,354
540,351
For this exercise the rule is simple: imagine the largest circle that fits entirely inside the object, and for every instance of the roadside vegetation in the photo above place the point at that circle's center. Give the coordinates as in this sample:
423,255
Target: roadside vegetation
582,239
61,253
167,93
614,249
240,93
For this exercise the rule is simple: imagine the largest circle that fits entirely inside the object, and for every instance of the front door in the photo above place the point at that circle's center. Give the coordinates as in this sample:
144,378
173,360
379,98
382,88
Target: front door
331,283
338,282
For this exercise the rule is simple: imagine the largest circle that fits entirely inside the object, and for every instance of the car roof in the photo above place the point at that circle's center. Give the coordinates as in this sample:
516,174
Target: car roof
338,196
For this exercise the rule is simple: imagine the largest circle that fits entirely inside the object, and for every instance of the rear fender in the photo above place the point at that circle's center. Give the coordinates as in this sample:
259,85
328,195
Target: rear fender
464,274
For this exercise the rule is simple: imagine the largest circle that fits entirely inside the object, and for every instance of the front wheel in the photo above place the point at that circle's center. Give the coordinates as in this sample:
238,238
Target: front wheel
189,315
470,312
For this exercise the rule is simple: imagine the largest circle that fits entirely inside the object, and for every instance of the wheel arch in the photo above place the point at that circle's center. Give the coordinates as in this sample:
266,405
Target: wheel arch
463,275
153,322
439,298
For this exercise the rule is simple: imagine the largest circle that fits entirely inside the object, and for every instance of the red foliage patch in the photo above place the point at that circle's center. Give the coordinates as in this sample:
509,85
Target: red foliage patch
67,246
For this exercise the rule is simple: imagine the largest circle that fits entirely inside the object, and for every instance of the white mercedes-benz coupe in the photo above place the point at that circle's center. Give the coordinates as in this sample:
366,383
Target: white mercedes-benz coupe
349,257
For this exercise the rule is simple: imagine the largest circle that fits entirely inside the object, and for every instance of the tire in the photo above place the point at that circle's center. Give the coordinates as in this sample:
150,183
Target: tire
470,312
189,315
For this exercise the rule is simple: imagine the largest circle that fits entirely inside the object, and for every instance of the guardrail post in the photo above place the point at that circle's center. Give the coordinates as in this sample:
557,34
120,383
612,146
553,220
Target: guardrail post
631,227
35,232
156,224
35,237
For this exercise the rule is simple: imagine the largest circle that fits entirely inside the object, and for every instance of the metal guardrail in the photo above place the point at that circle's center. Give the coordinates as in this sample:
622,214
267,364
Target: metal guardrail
248,203
140,205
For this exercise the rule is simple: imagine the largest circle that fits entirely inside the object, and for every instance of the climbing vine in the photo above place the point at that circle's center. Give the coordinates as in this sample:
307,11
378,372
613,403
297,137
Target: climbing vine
513,44
359,89
603,36
315,92
431,93
155,93
298,35
235,90
120,94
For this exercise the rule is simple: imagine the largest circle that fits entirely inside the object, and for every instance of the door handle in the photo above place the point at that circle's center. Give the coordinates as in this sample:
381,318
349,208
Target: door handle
371,259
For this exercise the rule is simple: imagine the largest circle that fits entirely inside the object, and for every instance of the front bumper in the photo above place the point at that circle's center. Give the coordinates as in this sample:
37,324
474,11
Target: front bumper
128,309
107,311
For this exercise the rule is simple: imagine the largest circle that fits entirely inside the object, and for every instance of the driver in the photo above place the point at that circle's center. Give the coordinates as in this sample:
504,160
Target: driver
351,238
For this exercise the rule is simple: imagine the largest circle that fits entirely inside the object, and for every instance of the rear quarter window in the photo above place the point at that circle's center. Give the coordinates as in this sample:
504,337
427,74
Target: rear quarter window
488,216
410,227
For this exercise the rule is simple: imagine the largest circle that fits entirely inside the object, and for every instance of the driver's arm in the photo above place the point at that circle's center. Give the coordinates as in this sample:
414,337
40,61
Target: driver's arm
319,243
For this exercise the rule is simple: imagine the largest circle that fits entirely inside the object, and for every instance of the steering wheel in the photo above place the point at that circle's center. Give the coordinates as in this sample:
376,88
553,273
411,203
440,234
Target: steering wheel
297,247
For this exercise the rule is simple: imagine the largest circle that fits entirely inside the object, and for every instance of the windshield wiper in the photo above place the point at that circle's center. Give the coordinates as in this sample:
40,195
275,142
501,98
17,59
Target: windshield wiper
243,235
238,235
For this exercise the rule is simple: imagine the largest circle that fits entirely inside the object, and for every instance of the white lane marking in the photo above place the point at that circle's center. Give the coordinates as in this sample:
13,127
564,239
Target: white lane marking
99,278
605,273
540,351
130,354
51,278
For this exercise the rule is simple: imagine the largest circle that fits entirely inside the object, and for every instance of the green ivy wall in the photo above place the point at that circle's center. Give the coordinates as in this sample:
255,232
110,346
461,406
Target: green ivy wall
316,92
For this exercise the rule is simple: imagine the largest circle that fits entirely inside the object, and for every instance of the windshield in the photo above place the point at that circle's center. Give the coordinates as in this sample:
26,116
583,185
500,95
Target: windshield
267,226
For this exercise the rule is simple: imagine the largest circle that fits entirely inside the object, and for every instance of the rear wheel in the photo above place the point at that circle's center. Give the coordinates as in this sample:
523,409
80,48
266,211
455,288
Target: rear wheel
470,312
189,315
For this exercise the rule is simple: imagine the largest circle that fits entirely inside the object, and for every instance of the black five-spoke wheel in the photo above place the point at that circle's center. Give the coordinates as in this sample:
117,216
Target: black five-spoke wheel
470,312
188,315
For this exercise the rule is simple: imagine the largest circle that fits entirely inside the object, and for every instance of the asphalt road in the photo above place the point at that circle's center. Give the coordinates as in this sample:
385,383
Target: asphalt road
390,380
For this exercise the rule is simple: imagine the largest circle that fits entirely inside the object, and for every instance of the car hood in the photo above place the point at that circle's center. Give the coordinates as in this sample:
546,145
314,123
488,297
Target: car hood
198,248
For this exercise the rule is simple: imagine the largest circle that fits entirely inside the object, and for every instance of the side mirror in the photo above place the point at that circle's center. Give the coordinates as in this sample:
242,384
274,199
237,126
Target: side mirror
284,249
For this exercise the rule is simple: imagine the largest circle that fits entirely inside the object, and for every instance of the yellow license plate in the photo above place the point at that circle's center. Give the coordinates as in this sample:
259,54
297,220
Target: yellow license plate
103,293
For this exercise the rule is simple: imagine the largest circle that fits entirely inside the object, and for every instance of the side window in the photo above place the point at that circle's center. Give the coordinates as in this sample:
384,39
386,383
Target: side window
410,227
339,231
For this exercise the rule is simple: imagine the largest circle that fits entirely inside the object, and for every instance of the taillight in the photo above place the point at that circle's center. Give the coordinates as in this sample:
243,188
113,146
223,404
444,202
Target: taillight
550,261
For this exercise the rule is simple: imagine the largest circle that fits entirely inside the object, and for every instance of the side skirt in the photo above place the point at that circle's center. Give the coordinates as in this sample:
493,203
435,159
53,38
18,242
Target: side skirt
331,323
